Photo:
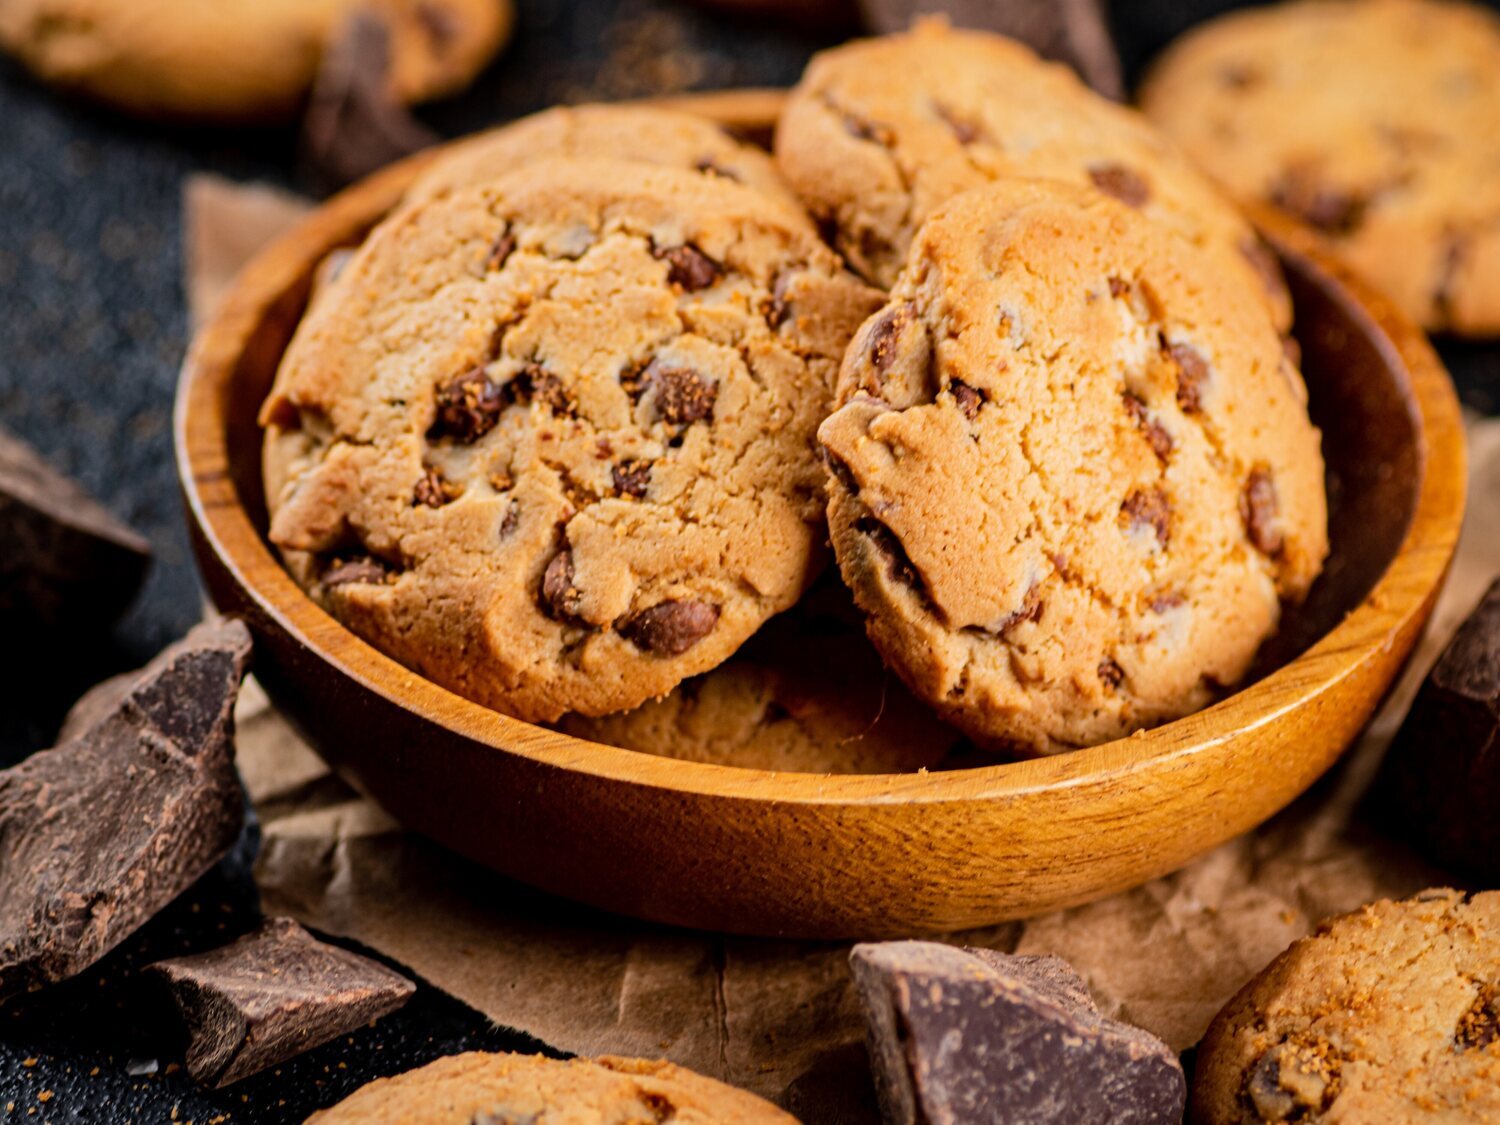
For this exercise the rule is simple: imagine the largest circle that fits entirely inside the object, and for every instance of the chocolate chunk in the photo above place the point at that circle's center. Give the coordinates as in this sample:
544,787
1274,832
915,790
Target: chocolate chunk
630,478
560,597
885,334
1290,1080
1118,287
890,546
100,833
1119,181
1031,610
469,406
511,518
670,628
1440,783
781,305
1075,32
1480,1025
65,561
682,395
355,123
1258,508
969,399
1166,600
540,385
351,571
1192,376
1330,209
1110,673
690,268
433,490
966,1035
270,996
1148,507
501,251
1155,433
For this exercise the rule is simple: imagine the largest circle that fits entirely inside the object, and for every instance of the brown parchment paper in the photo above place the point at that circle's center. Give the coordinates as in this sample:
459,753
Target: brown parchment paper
779,1017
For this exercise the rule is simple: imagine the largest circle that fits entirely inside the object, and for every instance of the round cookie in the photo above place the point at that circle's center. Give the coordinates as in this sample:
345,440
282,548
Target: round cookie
643,134
550,441
1391,1013
1375,122
502,1089
807,694
1073,476
240,59
881,132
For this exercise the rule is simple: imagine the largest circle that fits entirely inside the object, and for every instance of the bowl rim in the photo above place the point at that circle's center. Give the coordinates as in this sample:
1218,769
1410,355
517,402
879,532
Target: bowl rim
1405,589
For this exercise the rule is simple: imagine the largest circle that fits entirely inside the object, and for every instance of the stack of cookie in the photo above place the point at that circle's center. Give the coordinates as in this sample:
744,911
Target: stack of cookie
580,418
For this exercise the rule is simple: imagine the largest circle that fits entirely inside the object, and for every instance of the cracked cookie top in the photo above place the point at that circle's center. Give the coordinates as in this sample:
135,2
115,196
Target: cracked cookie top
550,441
1073,476
881,132
1390,1013
1378,123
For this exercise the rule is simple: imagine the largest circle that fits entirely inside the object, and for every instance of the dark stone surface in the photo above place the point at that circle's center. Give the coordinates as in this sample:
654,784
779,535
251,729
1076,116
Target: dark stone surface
95,326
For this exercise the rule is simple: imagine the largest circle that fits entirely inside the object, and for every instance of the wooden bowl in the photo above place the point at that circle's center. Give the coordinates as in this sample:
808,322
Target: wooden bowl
845,856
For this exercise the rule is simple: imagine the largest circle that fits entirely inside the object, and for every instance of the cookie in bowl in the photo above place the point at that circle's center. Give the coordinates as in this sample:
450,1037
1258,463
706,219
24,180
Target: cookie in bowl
1073,474
550,441
1374,123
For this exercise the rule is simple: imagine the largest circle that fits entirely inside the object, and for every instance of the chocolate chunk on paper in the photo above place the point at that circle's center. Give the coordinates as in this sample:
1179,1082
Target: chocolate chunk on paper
65,561
270,996
1440,785
965,1035
1075,32
355,124
101,832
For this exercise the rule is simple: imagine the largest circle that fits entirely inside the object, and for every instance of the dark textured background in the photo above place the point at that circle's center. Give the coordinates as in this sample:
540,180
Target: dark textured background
93,326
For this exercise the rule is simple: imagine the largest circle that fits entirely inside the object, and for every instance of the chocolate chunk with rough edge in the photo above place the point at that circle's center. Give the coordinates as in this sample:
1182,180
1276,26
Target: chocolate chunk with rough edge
432,490
1075,32
65,561
967,1035
1258,508
354,122
100,833
560,597
1192,376
631,478
968,399
349,572
1329,209
670,628
1121,182
1154,432
501,250
1110,673
1148,507
889,546
1480,1025
468,406
682,396
1440,783
272,995
884,334
690,268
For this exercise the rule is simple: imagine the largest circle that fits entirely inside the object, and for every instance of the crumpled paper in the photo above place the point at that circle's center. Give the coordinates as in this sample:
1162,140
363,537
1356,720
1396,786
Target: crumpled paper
779,1017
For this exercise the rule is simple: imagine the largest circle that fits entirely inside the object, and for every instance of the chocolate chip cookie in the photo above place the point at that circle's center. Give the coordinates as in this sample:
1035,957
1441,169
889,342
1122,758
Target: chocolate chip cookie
880,132
550,441
241,59
484,1089
1373,122
1073,475
1391,1013
644,134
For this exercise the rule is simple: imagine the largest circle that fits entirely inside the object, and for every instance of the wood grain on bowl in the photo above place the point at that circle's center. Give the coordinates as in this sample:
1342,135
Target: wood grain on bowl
846,856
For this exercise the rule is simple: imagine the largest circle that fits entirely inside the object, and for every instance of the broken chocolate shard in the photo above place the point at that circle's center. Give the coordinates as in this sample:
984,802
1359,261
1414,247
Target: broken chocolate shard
65,561
1441,779
1075,32
354,123
965,1035
100,833
272,995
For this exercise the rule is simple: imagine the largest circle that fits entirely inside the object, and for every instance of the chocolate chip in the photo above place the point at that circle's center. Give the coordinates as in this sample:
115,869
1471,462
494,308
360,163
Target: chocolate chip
969,399
864,129
501,480
1148,507
1168,600
433,490
469,406
1031,610
540,385
1155,433
899,562
512,518
1258,508
688,267
1110,673
1263,1088
1480,1025
1121,182
364,570
780,307
1118,287
682,395
630,478
504,246
840,472
884,335
1289,1080
670,628
1192,376
1332,210
560,598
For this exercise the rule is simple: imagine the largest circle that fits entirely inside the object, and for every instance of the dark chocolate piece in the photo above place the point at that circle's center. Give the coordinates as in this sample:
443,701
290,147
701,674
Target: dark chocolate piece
354,123
100,833
270,996
65,561
964,1035
1075,32
1441,779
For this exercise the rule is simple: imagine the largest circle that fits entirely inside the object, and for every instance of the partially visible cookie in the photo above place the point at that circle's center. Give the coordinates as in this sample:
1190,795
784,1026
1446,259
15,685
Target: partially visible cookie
881,132
1374,122
1073,476
1391,1013
644,134
499,1089
807,694
550,441
241,59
